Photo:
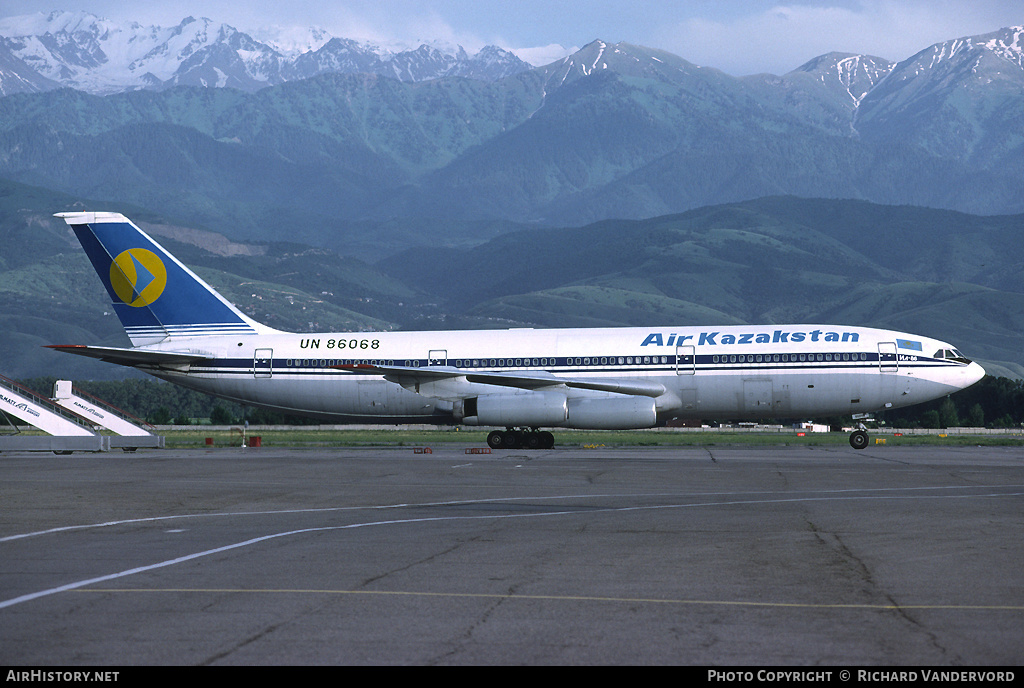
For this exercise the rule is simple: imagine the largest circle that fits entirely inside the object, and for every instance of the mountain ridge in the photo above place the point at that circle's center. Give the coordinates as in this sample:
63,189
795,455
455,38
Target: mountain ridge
80,50
566,144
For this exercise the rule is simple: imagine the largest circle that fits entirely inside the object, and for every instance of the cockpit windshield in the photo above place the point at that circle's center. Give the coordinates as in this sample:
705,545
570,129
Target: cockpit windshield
952,355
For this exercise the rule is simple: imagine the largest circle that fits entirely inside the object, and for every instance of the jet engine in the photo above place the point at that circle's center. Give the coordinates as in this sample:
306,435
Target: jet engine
551,409
533,409
612,413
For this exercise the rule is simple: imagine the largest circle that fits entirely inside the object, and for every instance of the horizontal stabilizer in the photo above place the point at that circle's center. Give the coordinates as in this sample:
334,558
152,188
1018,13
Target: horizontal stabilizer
130,357
520,379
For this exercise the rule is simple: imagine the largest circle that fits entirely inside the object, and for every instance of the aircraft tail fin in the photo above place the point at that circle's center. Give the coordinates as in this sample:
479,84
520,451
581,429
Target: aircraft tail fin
154,295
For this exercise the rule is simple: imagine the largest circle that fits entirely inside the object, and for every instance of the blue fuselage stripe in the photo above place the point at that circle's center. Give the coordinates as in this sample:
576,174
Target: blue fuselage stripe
588,364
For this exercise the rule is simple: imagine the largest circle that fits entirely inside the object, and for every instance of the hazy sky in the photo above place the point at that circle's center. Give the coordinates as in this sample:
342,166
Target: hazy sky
737,36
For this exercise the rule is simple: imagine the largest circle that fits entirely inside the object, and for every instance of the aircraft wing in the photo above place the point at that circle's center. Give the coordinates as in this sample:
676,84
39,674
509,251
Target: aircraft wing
530,380
130,357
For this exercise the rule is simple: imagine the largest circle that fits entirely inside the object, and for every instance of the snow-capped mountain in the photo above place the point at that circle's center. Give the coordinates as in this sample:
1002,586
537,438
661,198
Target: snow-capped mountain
16,76
952,98
85,52
854,75
990,61
613,130
79,50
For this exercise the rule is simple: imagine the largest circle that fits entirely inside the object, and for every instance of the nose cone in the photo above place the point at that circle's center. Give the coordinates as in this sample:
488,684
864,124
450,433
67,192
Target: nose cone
972,373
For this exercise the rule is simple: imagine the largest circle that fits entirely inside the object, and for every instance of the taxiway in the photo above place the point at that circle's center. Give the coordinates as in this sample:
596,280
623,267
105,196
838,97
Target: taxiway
710,556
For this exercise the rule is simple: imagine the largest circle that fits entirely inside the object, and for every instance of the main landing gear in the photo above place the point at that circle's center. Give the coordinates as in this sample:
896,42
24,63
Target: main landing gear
520,439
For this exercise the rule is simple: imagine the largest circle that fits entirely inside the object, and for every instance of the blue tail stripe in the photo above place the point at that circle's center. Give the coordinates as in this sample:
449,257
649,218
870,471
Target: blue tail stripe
98,256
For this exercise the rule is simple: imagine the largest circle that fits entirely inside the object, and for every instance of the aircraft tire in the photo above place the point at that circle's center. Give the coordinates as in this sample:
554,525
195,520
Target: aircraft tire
859,439
515,439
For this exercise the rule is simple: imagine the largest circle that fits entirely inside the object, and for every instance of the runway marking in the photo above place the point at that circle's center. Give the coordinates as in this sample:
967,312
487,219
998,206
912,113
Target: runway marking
217,550
564,598
371,507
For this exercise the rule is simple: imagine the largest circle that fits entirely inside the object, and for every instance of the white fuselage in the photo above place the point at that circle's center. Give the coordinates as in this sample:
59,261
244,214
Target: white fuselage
736,372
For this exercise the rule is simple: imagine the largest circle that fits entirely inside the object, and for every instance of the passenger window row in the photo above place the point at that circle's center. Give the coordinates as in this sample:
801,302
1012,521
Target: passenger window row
549,362
788,358
604,360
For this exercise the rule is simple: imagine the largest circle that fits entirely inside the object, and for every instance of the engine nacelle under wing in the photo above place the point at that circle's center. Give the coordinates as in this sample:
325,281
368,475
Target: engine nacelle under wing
613,413
551,409
533,409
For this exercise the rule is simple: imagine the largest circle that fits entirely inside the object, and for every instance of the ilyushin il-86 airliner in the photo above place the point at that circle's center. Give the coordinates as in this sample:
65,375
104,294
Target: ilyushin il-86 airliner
522,380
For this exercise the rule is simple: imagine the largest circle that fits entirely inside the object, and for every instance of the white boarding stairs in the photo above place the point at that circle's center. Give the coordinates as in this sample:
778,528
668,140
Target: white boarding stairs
95,411
23,404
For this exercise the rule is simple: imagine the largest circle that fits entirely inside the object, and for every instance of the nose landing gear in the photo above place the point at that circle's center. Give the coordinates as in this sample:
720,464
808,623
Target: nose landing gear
859,437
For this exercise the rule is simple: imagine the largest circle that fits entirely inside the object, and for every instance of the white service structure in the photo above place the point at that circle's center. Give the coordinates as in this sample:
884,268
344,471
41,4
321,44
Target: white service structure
64,395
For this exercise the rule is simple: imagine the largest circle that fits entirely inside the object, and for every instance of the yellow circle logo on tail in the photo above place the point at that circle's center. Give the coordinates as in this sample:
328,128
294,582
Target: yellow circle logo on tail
138,277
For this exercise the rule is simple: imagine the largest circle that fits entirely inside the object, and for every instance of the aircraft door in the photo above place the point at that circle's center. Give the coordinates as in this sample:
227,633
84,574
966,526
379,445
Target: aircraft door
263,363
686,361
437,357
887,362
373,396
757,398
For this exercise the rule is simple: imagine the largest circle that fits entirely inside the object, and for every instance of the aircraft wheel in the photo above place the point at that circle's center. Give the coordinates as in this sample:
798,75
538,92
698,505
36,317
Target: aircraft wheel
859,439
532,440
496,439
512,440
547,440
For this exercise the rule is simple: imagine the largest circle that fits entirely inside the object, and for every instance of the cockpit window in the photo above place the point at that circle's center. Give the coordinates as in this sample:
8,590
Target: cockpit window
952,355
959,357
